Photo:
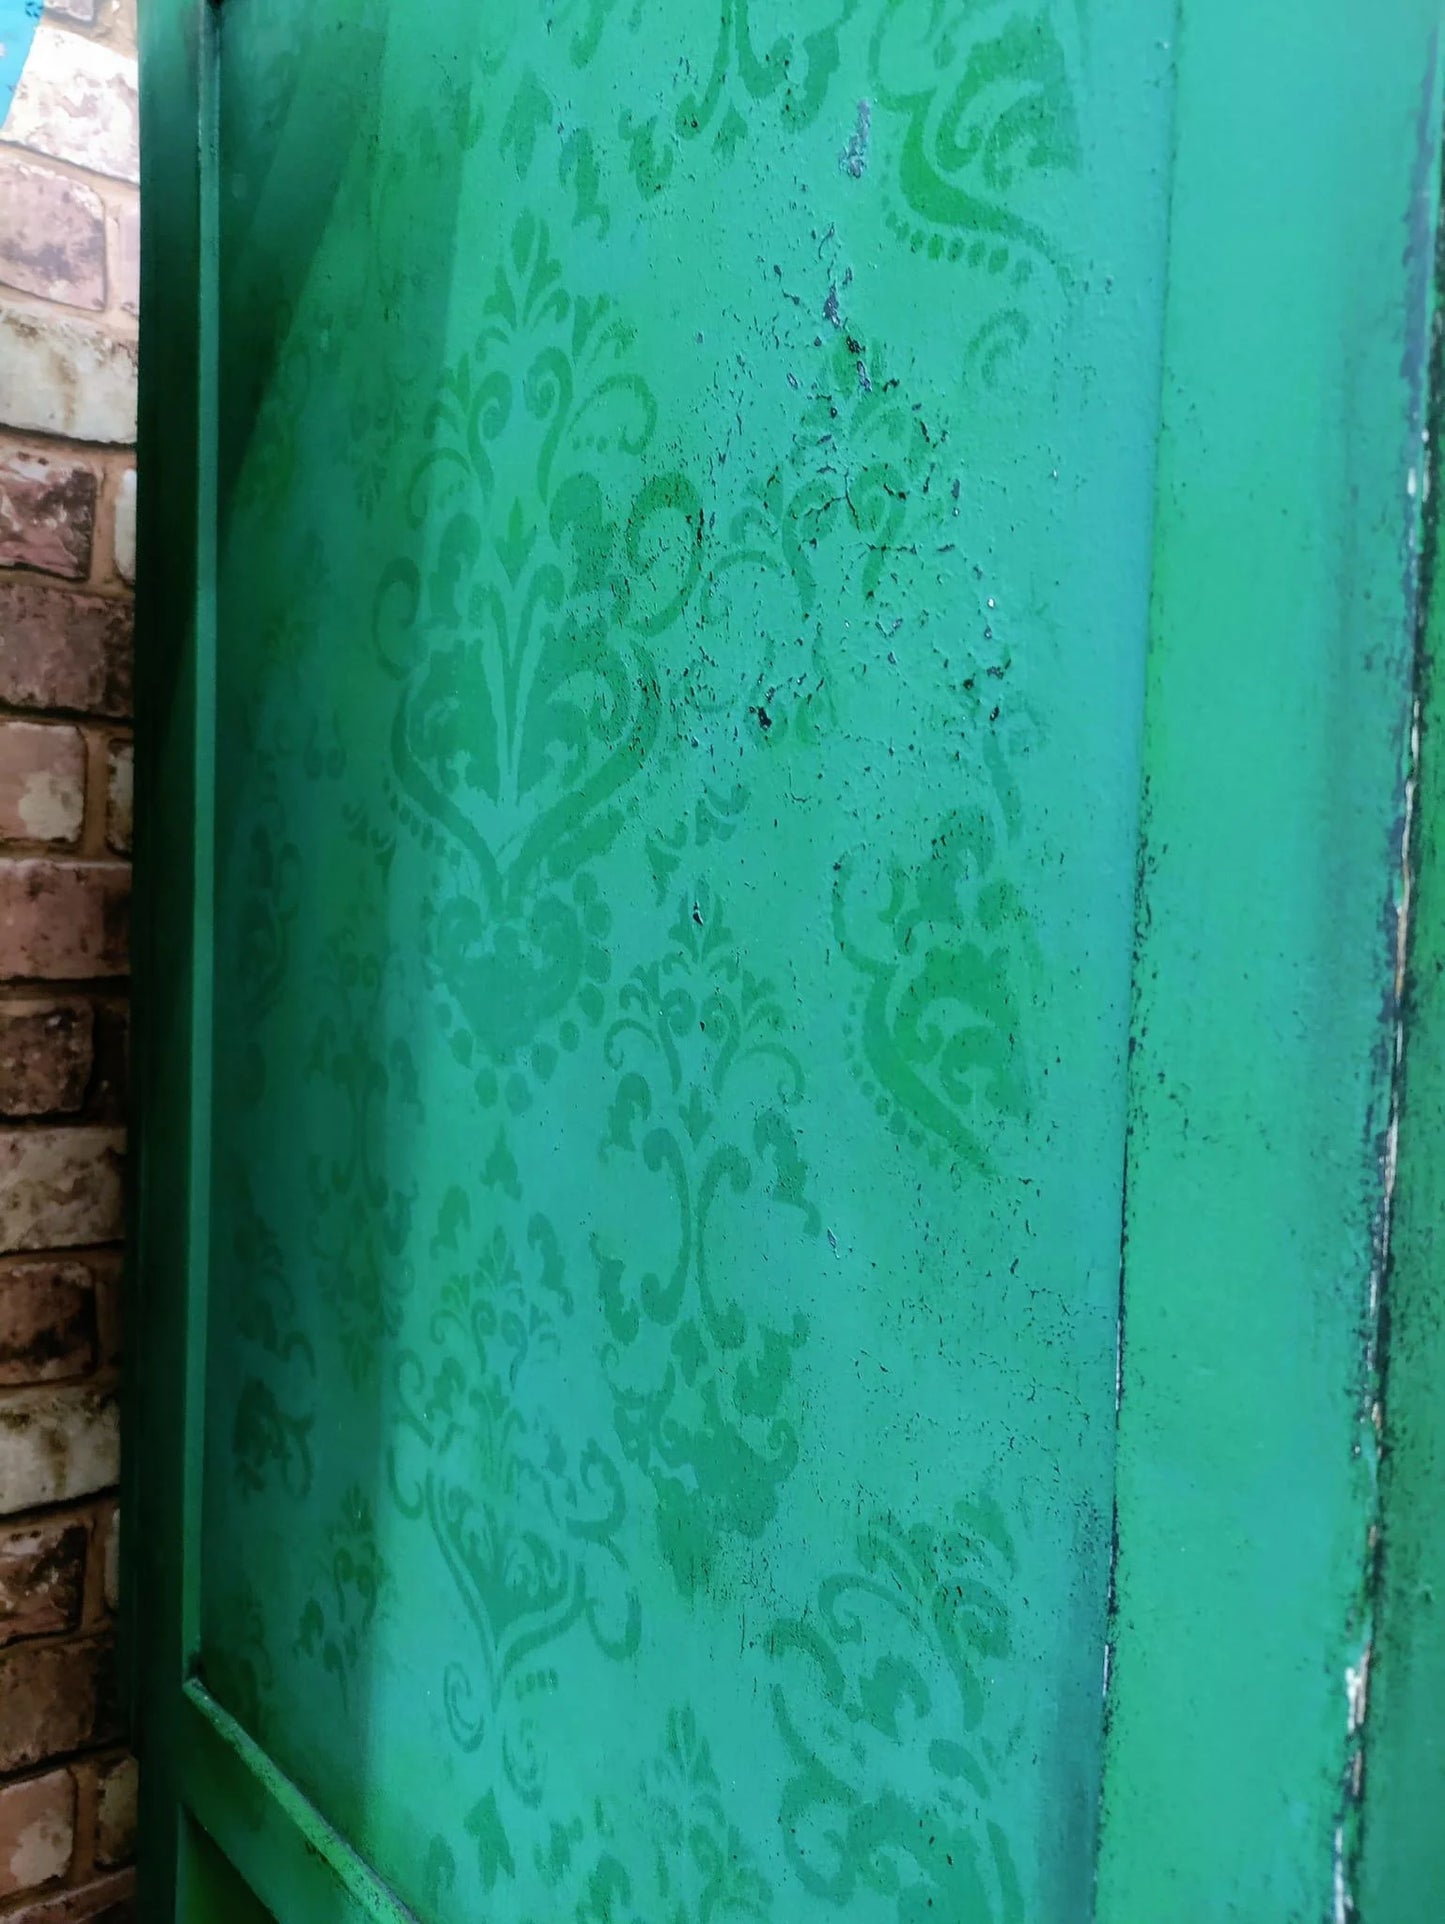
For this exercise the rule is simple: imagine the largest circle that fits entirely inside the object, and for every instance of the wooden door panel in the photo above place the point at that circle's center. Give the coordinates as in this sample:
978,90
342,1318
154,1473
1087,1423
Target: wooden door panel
659,696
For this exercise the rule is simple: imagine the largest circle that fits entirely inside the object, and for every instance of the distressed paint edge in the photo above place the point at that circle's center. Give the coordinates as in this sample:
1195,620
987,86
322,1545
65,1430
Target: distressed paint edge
1423,369
1359,1403
1396,1845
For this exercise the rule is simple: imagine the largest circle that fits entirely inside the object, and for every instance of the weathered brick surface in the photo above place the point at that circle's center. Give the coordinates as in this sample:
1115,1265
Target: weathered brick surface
125,526
55,1698
42,1577
47,513
63,375
52,238
63,921
120,790
42,782
116,1787
57,1445
60,1188
105,1900
76,101
125,259
48,1322
47,1051
37,1831
106,1097
110,1554
63,650
69,273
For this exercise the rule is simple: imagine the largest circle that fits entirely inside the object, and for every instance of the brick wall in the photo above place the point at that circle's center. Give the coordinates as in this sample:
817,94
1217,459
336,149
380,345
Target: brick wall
68,297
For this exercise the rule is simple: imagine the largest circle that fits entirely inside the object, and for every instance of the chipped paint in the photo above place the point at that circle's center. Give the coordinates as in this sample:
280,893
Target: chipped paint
1396,1866
854,157
1265,1134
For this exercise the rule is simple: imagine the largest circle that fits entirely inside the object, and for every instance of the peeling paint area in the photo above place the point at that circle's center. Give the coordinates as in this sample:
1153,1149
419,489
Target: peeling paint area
1269,1210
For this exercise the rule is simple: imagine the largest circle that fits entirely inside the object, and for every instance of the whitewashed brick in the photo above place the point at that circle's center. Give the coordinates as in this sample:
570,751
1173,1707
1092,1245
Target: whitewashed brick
59,375
76,101
37,1831
57,1445
60,1188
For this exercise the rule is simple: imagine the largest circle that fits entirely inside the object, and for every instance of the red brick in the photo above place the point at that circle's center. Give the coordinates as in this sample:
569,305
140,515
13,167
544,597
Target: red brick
119,793
60,1188
76,101
48,1322
63,921
55,1698
37,1831
52,240
47,514
59,649
42,1577
42,782
47,1051
109,1531
106,1098
109,1900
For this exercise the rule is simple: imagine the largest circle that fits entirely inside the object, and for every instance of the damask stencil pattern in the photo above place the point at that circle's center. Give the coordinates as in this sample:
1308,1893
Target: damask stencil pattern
672,927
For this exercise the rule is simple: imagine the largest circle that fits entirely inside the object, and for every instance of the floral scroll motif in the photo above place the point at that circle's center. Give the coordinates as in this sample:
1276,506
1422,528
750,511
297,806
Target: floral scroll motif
885,1715
703,1099
528,1519
519,633
275,1404
695,1866
981,101
337,1618
237,1666
946,955
360,1209
739,71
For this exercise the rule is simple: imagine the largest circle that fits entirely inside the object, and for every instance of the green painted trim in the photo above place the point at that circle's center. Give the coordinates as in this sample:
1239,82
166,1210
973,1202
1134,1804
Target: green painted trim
284,1848
209,1891
1402,1867
1277,707
203,831
171,967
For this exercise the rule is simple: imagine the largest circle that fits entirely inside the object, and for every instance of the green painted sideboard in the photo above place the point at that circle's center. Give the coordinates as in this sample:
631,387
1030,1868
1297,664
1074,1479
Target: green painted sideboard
781,659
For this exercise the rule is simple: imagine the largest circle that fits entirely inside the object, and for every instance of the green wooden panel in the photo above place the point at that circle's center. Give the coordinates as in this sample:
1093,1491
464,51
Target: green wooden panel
652,521
289,1855
685,491
1280,671
209,1890
171,914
